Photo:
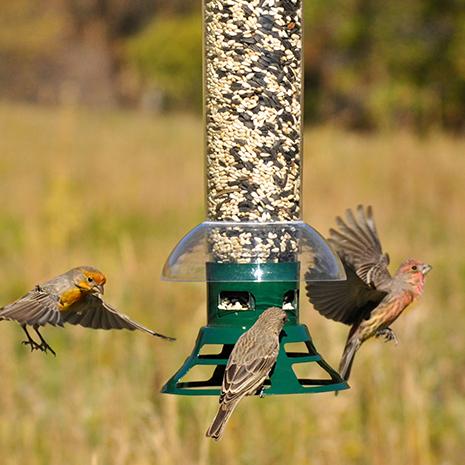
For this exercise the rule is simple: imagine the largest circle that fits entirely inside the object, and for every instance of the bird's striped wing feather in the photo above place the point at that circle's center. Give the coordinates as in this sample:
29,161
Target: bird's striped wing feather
345,301
35,308
93,312
240,380
356,241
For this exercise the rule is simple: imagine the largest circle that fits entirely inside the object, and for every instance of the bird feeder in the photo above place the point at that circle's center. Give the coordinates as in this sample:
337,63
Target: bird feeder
254,246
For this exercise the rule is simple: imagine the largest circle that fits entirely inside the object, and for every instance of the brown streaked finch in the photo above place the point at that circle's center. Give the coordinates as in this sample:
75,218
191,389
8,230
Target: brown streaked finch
251,360
74,297
370,300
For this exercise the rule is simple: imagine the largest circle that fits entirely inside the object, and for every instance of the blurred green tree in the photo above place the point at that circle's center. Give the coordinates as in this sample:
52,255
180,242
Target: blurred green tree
375,64
167,56
369,64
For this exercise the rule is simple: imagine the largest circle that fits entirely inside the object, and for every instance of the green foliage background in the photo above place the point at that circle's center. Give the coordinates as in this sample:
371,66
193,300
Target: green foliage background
369,64
167,54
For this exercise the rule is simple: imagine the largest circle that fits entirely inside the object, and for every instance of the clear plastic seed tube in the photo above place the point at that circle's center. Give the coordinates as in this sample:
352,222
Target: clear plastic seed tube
253,89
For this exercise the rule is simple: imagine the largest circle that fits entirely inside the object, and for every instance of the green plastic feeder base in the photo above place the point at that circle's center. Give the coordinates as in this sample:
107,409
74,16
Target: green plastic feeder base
225,325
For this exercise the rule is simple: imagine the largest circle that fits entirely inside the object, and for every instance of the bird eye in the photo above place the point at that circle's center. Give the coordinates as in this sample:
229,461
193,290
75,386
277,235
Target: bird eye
414,268
89,279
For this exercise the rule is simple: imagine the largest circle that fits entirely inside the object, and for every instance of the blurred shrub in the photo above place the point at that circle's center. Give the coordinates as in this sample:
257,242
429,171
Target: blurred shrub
369,64
376,64
167,56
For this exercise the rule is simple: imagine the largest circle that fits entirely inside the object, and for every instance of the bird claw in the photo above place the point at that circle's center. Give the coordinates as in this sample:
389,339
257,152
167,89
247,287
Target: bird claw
388,335
33,344
43,347
261,392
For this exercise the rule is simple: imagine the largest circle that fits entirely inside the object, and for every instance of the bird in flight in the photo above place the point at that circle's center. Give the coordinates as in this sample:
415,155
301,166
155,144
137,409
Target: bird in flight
75,297
371,299
251,360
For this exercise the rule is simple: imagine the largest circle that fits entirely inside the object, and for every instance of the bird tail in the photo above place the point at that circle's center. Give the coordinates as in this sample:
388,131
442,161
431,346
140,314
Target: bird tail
217,427
352,345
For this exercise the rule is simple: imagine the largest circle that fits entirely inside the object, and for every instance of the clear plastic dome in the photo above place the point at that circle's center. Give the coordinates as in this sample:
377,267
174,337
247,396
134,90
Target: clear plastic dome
252,243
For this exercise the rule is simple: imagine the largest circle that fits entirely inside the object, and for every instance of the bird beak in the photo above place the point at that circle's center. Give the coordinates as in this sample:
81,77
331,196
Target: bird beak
98,289
426,269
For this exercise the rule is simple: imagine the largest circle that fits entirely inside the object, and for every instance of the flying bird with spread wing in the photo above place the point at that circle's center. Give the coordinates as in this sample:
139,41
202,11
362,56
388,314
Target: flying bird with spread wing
74,297
371,299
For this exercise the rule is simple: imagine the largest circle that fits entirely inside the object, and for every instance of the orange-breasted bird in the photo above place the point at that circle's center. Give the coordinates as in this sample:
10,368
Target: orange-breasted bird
74,297
370,300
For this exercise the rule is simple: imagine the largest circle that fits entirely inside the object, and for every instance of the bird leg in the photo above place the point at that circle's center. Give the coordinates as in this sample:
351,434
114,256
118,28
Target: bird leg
30,341
261,392
44,347
388,335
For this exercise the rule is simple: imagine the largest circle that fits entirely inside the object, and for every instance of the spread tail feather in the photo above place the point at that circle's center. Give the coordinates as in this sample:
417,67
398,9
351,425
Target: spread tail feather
217,427
347,359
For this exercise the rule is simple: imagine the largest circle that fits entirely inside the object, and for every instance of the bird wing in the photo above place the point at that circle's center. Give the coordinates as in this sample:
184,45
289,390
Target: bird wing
345,301
240,380
93,312
35,308
357,242
244,378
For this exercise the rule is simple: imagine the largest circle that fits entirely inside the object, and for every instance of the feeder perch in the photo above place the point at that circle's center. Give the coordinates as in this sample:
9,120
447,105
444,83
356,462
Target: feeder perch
254,247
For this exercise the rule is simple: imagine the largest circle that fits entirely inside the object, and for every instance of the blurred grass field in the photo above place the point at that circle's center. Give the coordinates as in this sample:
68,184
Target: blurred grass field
118,190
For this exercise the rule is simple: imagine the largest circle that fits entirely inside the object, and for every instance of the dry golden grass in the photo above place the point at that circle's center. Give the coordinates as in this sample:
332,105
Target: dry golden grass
118,190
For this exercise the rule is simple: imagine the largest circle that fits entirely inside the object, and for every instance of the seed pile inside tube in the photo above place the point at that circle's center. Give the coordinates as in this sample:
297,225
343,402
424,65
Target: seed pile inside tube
253,124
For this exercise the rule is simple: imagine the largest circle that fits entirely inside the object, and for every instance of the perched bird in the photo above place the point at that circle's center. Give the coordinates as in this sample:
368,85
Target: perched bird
250,362
370,300
74,297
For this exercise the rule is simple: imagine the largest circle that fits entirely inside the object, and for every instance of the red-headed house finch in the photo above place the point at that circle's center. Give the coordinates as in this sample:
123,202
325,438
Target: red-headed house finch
74,297
370,300
249,364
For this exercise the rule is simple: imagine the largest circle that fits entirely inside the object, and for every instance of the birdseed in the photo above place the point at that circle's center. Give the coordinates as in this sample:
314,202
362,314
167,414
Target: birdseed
253,88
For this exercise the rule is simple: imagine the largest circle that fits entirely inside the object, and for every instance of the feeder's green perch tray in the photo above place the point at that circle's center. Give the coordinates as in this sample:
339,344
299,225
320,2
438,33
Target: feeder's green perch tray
231,283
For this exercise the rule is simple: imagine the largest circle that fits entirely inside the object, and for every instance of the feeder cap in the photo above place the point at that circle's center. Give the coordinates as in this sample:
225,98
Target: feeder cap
252,243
